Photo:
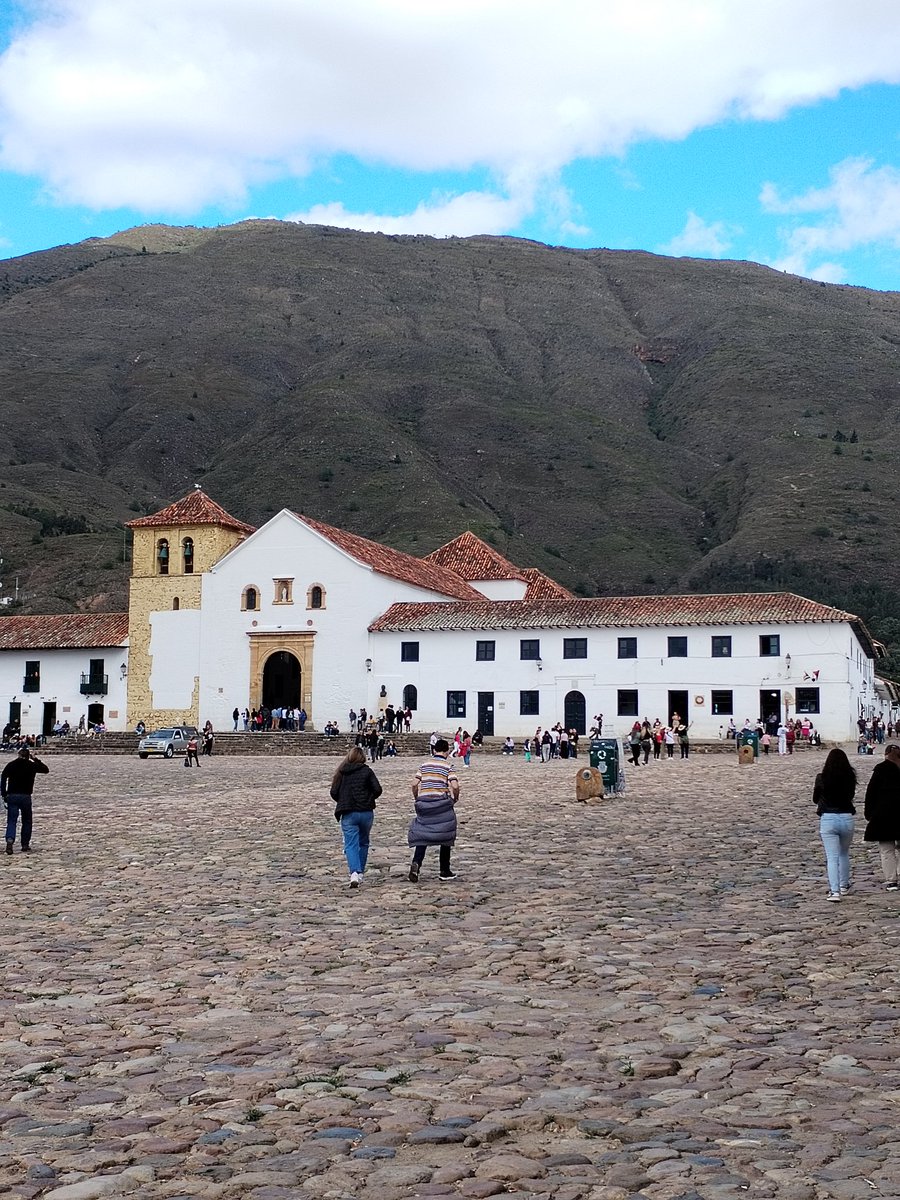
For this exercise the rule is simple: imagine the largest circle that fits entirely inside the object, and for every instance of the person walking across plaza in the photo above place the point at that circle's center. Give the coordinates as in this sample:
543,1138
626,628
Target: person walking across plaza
833,793
882,809
190,755
435,790
354,789
16,788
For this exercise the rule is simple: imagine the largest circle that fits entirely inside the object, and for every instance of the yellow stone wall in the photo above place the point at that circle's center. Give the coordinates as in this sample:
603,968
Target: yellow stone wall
151,592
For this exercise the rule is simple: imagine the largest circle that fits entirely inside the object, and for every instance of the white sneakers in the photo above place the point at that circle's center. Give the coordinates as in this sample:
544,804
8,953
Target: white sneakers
355,879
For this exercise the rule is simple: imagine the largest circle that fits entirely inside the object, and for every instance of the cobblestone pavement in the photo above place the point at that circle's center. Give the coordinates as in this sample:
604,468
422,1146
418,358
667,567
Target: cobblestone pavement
646,998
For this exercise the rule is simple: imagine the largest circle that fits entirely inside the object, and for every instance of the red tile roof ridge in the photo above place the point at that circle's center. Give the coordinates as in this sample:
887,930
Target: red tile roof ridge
542,587
194,508
719,608
395,563
63,631
473,559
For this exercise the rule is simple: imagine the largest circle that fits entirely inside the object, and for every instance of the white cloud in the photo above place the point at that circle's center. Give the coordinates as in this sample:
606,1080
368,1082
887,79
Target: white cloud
701,239
457,216
172,105
860,207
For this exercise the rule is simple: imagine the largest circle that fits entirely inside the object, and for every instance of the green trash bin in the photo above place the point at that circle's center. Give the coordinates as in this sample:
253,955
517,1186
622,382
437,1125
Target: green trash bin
605,755
749,737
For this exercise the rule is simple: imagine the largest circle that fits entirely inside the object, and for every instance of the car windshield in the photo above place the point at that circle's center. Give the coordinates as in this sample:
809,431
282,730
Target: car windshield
163,733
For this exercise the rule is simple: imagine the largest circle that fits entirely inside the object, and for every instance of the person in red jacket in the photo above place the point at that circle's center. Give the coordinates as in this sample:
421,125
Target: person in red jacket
16,787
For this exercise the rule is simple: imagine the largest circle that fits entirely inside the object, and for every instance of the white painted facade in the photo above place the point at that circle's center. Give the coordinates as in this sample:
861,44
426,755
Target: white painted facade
58,693
447,662
353,595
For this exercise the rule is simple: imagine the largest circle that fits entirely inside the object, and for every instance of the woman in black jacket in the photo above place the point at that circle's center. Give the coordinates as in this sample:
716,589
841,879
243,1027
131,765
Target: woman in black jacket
833,794
355,788
883,814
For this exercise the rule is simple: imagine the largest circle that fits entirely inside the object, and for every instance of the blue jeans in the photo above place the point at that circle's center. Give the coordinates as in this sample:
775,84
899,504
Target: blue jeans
836,831
355,827
16,804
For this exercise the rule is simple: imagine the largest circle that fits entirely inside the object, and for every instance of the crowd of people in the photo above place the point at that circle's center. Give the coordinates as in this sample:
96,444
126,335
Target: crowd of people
263,719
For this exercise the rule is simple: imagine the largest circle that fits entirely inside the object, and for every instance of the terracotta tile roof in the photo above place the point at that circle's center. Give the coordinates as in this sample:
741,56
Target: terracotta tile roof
742,608
472,559
195,508
394,563
69,631
542,587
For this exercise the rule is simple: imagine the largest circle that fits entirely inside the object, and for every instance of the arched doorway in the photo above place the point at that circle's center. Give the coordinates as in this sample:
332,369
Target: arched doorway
281,680
574,713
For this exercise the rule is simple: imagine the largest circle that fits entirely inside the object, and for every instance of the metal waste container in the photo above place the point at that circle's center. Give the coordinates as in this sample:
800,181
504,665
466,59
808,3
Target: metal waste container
605,755
749,737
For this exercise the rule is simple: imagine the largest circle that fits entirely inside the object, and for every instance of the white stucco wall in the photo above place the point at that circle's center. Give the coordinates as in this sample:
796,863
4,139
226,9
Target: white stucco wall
354,596
60,684
447,662
501,589
175,651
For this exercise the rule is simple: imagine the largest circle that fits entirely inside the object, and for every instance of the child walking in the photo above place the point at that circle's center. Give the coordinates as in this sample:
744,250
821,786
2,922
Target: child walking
435,790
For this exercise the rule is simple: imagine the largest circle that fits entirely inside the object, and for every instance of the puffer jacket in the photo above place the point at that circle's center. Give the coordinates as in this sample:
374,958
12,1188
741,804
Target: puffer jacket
883,804
356,790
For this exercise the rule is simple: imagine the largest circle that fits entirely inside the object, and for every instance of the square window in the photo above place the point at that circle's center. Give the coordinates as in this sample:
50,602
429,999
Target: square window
529,704
530,648
678,647
574,647
769,645
721,647
627,649
628,703
722,704
807,700
456,704
484,651
409,651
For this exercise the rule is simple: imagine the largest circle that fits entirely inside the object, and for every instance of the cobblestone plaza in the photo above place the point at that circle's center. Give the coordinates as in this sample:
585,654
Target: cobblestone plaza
650,997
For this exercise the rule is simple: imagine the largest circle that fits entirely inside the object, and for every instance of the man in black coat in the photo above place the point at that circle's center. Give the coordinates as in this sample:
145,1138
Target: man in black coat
883,814
16,788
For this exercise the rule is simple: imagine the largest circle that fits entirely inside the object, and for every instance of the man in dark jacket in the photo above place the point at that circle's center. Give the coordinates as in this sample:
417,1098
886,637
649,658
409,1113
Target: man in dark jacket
16,788
883,814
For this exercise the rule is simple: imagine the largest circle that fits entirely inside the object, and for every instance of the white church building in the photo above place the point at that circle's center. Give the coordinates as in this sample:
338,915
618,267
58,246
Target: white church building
300,613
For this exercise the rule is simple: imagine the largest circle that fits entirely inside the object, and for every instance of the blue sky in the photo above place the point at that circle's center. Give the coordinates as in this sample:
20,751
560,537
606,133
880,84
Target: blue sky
712,128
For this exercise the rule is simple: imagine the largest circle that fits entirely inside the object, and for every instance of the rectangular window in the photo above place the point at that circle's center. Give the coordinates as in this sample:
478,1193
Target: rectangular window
769,645
456,704
574,647
628,649
721,647
678,647
722,704
529,704
32,681
485,651
628,703
807,700
530,648
409,651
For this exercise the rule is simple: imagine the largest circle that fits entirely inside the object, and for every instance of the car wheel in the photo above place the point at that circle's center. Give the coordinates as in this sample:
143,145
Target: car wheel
170,750
143,755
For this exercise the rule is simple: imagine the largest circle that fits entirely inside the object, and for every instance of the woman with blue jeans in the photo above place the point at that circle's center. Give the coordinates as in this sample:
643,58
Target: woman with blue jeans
355,788
833,794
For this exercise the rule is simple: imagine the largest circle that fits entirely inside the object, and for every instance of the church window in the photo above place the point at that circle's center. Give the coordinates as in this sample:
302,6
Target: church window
315,597
187,549
250,599
162,556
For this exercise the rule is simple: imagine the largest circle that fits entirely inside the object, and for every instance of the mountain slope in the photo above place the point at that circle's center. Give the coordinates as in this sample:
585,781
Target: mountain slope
624,422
